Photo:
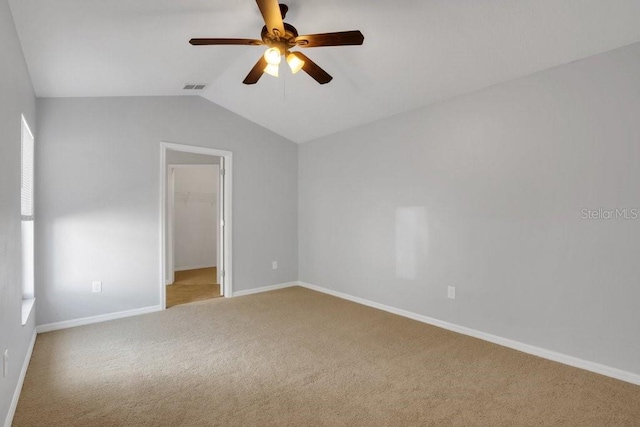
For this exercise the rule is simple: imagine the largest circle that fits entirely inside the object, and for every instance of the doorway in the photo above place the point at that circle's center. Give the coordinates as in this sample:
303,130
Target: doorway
192,219
195,223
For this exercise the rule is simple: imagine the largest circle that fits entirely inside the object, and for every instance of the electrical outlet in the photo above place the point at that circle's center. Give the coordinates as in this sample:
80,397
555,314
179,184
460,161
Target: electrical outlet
5,363
96,287
451,292
274,264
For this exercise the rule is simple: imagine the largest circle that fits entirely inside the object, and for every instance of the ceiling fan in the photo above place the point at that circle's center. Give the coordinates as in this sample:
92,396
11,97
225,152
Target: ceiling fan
280,37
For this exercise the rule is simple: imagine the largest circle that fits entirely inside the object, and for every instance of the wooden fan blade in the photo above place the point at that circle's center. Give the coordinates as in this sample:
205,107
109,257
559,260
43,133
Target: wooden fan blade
256,72
207,42
313,69
344,38
272,16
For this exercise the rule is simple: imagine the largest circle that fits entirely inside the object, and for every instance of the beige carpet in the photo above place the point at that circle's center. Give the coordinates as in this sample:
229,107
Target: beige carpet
193,285
295,357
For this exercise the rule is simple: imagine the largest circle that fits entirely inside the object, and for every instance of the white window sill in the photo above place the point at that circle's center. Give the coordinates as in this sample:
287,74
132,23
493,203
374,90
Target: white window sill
27,308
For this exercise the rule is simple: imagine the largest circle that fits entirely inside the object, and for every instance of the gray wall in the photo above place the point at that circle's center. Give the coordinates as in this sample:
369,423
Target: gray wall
485,192
16,98
99,195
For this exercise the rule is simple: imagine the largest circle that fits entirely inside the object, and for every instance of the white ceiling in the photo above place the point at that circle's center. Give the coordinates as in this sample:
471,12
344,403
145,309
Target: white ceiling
416,52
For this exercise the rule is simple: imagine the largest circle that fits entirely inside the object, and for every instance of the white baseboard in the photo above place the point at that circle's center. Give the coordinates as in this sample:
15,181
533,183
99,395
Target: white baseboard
96,319
23,374
265,289
505,342
194,267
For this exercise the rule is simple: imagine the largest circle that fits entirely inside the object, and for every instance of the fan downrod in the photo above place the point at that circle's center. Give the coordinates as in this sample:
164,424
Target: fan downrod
283,10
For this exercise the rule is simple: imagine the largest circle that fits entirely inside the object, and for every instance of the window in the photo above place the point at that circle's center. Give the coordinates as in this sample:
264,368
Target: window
26,212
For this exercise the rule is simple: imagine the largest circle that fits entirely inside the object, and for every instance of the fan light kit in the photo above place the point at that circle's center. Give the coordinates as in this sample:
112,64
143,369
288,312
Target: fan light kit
280,37
273,58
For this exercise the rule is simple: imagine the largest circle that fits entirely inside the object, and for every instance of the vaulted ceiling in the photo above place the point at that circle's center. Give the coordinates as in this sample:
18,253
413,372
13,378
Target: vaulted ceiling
416,52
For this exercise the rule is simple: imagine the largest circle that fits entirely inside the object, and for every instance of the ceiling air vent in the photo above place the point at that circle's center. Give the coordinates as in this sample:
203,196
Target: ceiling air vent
194,86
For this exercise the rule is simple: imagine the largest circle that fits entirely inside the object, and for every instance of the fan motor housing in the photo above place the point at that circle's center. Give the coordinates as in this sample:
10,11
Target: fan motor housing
284,42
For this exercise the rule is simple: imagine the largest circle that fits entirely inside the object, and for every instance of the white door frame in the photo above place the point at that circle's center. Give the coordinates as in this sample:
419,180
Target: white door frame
170,202
224,231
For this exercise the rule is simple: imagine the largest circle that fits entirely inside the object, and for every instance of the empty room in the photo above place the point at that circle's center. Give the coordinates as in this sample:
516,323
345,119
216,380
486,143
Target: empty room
336,213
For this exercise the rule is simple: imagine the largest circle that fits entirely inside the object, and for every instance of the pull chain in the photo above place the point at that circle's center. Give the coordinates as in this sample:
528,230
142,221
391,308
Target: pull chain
284,86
